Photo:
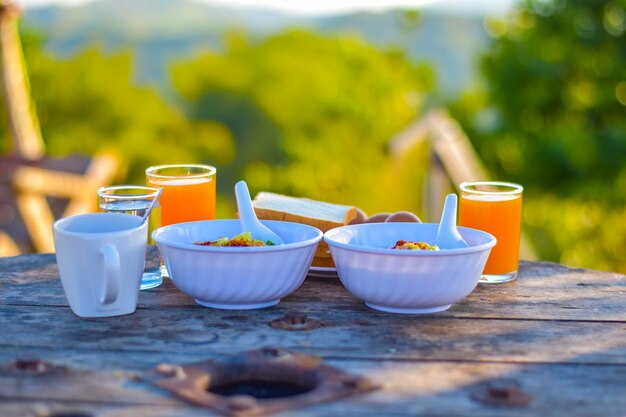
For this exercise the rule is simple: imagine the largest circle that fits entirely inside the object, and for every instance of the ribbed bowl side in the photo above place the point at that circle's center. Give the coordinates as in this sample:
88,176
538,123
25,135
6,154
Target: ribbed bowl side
238,278
409,281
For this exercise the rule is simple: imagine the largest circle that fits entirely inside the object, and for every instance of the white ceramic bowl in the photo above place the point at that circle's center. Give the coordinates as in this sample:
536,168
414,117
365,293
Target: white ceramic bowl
406,281
236,277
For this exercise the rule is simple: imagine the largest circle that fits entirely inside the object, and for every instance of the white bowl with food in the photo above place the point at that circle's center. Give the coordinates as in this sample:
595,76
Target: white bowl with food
236,277
404,280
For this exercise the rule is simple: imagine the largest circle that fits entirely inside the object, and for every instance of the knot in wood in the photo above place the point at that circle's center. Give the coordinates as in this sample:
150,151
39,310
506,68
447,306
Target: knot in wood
502,392
70,413
295,321
29,366
354,383
503,388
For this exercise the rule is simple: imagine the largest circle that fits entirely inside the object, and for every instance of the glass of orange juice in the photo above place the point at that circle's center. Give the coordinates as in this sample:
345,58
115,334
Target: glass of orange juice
495,207
188,192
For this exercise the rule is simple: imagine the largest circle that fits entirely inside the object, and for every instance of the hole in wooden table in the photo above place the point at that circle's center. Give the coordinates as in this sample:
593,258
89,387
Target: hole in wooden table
70,414
259,382
260,389
262,381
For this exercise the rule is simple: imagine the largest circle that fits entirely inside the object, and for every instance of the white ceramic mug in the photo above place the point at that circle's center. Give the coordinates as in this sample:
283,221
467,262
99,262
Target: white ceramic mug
101,259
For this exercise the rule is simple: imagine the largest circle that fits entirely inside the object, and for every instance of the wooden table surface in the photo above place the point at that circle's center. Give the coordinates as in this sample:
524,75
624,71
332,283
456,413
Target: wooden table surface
558,332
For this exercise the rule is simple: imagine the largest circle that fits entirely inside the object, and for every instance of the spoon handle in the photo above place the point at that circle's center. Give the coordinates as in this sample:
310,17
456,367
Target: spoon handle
244,205
448,215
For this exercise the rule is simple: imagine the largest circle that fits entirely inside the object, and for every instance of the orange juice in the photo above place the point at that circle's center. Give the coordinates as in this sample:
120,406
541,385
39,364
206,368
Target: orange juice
498,213
188,192
186,200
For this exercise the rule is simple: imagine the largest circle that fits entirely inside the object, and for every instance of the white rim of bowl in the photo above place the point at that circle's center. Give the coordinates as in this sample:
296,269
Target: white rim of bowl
389,251
236,249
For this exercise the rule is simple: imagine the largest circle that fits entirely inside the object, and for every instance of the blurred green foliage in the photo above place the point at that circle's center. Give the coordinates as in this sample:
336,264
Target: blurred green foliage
89,102
311,115
296,113
551,116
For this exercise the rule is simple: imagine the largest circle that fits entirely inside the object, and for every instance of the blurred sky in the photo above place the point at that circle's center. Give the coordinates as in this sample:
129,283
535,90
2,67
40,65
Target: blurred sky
336,6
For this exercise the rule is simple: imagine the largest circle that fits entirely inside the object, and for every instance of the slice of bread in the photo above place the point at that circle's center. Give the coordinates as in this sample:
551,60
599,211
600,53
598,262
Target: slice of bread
324,216
320,214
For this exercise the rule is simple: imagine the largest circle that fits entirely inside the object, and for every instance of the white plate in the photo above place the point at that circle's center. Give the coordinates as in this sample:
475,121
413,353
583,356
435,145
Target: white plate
323,272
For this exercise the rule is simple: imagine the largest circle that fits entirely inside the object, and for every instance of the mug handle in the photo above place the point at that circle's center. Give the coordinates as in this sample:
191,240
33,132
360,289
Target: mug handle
112,274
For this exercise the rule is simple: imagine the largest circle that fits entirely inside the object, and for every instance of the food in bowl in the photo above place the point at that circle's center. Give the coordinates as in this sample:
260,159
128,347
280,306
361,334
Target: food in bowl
236,277
406,281
242,239
403,244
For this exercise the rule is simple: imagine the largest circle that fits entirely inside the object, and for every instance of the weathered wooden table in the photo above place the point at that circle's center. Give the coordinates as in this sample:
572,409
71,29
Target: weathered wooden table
559,333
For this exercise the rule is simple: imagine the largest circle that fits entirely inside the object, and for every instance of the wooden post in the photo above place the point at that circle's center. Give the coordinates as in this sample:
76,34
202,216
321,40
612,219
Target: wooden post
23,124
100,172
455,149
8,246
438,186
38,219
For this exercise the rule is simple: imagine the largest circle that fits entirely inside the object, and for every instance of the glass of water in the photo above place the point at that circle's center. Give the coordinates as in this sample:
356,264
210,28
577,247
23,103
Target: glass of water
135,199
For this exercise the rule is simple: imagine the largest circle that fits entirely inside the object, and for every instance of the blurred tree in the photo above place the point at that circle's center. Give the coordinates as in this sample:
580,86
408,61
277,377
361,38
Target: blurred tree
89,101
311,115
551,116
556,97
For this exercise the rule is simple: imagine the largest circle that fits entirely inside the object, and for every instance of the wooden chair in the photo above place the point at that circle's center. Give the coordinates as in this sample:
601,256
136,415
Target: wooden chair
35,189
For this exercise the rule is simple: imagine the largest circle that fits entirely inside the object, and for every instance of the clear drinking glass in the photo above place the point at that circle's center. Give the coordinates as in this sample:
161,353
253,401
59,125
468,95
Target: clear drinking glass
495,207
135,199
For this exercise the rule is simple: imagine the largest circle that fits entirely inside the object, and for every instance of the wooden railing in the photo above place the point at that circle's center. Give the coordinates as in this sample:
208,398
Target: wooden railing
30,182
452,160
23,124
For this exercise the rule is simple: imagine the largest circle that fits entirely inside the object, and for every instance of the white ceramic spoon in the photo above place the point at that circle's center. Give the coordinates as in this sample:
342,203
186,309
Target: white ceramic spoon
448,236
247,216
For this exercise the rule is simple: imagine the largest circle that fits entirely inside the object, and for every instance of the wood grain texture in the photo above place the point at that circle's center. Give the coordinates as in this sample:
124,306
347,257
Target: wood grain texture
346,334
544,291
560,332
423,389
